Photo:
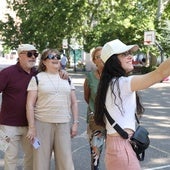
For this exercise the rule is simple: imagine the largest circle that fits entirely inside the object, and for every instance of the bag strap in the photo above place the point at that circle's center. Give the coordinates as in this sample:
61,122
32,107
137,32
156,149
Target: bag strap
137,118
141,158
119,130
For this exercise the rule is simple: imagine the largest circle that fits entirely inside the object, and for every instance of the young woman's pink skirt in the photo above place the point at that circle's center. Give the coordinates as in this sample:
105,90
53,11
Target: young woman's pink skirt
120,155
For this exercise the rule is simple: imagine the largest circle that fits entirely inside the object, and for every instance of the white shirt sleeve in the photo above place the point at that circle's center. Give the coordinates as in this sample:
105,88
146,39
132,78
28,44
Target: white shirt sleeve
32,84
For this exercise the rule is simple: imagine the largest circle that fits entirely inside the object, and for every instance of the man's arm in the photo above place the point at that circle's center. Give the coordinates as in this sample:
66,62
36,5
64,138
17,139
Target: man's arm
64,74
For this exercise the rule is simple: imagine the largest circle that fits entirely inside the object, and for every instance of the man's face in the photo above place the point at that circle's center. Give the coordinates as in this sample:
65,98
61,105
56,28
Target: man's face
27,59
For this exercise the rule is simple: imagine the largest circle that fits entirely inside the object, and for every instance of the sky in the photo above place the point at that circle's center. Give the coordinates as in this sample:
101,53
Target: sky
3,8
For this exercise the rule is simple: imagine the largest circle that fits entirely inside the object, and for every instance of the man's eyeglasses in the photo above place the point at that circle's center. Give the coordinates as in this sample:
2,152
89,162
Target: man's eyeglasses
52,57
30,54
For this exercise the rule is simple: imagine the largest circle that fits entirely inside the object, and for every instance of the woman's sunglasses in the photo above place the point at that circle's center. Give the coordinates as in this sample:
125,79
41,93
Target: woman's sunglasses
52,57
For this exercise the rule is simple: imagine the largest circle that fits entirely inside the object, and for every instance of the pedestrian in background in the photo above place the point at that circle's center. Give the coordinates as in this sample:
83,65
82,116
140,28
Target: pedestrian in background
64,61
50,102
13,122
96,134
117,93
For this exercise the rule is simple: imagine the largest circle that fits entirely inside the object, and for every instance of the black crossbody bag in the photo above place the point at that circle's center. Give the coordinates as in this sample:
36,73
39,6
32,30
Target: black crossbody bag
139,140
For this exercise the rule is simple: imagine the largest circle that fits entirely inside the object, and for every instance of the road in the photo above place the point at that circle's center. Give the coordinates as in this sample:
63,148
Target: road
156,119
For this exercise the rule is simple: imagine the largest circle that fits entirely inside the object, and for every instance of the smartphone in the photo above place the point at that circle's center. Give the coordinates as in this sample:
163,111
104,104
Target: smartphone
36,143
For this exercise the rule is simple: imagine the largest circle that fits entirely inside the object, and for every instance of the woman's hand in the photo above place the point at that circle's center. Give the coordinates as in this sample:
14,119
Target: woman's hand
31,133
74,130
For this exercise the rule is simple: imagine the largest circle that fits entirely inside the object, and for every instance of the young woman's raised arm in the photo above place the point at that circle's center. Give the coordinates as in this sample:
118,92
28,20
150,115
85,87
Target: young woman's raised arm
140,82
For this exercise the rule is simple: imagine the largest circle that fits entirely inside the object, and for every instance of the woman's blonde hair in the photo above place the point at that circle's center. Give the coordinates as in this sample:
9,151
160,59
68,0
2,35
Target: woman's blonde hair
93,54
45,53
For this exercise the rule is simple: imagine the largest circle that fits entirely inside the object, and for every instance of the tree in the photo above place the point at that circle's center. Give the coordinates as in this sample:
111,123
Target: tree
42,22
91,22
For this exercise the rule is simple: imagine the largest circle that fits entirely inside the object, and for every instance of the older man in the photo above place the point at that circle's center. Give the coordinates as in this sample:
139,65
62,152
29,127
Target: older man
13,122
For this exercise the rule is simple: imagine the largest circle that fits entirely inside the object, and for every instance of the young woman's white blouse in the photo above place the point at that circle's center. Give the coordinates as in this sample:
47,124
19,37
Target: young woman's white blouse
124,115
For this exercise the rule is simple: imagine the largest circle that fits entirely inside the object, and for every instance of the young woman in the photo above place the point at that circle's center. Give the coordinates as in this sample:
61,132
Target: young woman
50,102
95,133
117,93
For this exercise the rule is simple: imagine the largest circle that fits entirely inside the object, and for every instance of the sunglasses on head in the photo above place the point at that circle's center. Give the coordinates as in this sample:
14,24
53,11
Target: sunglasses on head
52,57
126,54
30,54
97,57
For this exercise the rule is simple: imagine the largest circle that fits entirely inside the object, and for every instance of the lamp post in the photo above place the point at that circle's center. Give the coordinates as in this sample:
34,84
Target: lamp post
74,54
74,48
161,50
74,57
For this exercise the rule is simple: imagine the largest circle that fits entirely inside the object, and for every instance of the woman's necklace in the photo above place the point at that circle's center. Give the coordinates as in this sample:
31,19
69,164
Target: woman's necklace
56,88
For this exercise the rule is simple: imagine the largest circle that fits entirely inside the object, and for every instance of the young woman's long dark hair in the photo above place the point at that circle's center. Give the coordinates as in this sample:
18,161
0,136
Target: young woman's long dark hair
112,69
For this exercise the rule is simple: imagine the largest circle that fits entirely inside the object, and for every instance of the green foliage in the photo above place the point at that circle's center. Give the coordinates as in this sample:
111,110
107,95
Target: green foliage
147,69
44,22
126,21
92,22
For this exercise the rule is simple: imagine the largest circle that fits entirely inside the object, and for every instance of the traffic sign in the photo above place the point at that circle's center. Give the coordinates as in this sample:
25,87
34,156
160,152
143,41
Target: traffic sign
65,43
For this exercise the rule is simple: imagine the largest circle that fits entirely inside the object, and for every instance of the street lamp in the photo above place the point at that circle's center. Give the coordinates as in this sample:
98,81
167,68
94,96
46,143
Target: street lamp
74,47
161,50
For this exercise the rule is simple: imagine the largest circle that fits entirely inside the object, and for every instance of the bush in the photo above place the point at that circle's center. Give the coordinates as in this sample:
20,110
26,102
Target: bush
147,69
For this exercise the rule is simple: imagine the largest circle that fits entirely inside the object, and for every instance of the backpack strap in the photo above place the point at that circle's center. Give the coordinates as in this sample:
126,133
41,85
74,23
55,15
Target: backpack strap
36,78
69,80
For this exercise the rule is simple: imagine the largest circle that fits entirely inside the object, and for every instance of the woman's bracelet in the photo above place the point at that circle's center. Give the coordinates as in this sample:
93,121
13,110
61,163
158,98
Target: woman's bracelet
75,122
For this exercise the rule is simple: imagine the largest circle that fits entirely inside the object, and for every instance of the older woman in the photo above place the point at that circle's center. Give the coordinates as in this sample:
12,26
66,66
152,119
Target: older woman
49,104
95,133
